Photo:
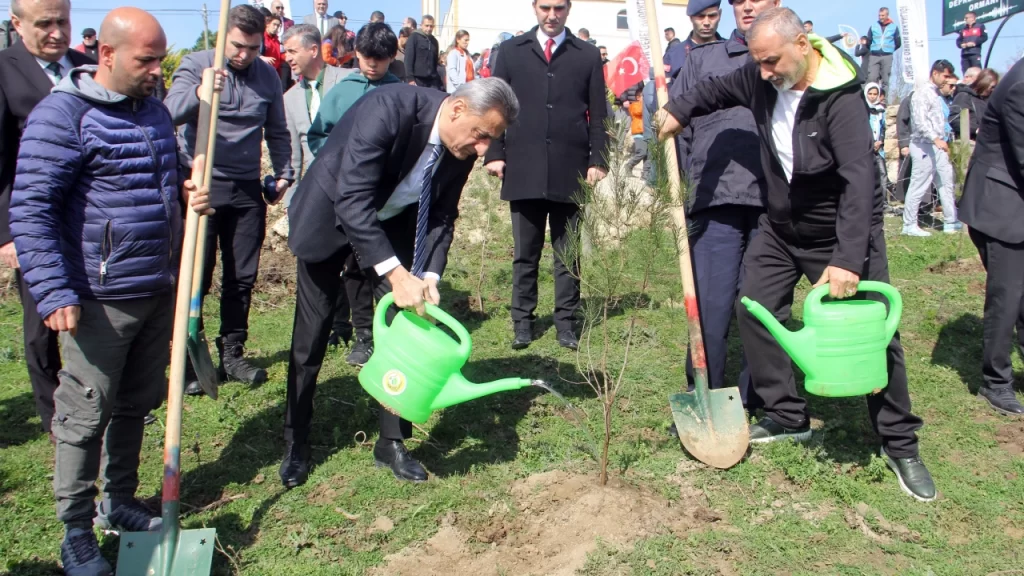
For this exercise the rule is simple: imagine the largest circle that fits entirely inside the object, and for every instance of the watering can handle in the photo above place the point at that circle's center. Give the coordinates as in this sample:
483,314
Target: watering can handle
892,322
380,325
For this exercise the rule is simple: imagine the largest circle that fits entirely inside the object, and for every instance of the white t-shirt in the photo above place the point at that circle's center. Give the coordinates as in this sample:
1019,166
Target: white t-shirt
783,123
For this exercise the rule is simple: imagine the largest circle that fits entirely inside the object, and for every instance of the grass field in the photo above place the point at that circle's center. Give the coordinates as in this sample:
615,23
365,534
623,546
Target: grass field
513,487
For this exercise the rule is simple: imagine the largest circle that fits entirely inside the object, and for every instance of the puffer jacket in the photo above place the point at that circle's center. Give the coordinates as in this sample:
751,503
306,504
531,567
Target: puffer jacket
95,212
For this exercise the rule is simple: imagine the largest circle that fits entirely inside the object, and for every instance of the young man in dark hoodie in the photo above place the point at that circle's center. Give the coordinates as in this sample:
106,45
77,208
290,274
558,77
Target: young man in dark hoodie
421,56
824,218
969,41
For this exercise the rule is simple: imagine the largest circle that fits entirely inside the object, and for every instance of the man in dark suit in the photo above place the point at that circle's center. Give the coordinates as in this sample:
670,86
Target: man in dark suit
386,185
992,206
30,69
559,80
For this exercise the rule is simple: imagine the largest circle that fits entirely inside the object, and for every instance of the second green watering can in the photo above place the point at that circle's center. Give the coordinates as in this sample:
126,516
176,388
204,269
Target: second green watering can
416,367
842,347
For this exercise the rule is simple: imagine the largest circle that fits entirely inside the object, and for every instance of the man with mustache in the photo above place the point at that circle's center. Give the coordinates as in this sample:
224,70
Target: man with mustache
98,235
824,218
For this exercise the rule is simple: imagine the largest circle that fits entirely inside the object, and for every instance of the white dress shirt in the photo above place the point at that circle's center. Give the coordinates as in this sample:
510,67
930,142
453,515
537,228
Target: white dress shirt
408,192
65,68
543,39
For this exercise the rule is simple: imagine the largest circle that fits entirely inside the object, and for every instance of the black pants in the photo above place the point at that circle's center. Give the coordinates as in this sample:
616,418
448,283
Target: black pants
42,355
972,61
719,238
238,227
1004,307
355,301
315,300
528,225
772,269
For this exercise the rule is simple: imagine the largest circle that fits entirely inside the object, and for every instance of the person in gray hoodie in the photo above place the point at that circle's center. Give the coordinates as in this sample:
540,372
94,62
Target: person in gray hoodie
251,110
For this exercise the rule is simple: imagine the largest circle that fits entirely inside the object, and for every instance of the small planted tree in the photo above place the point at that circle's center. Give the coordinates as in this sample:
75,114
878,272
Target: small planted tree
627,227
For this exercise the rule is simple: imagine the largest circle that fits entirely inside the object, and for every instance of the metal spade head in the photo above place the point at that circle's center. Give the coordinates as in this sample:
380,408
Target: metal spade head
712,425
142,553
199,353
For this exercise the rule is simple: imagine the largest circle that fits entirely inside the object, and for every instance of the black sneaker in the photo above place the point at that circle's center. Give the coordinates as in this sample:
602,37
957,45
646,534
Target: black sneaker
80,554
235,366
337,338
768,430
913,476
130,516
361,350
1002,400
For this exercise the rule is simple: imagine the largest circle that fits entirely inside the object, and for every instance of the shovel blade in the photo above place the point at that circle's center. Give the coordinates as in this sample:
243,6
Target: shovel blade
141,553
714,431
199,353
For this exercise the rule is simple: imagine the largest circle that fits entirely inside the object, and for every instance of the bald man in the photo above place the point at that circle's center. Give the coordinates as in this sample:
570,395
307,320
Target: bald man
96,217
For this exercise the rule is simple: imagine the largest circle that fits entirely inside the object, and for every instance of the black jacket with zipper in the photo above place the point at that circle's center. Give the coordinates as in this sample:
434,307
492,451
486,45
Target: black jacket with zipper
835,195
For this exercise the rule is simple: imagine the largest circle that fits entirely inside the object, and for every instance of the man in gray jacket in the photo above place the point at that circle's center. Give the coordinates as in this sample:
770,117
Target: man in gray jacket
251,109
720,156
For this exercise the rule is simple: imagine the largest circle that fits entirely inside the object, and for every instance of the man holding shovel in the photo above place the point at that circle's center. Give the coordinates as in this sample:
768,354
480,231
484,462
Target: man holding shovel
98,236
824,217
251,110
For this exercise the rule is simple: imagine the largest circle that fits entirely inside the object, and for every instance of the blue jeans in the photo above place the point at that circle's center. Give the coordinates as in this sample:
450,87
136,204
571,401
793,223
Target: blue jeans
719,237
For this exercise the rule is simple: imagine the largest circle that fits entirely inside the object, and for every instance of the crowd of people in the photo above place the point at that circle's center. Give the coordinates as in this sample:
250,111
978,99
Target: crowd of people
372,135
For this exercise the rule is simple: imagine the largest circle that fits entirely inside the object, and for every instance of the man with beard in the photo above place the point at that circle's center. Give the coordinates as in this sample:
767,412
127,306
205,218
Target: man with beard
89,46
824,218
251,110
98,236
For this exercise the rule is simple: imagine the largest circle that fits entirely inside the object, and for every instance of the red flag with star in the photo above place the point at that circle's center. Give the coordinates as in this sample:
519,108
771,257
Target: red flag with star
627,69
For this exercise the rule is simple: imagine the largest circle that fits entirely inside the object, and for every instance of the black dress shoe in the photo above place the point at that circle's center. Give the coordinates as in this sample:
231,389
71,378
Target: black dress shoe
1003,400
523,338
194,389
294,469
392,454
567,339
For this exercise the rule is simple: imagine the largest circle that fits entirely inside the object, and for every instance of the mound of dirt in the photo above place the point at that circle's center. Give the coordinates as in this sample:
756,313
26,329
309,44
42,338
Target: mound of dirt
561,518
962,266
1010,437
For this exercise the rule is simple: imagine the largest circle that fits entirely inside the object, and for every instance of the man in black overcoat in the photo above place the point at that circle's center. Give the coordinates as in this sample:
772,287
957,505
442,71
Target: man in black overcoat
559,139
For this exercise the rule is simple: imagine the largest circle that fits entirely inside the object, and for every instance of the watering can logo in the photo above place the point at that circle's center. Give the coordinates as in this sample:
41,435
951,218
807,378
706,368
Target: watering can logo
842,347
394,382
416,367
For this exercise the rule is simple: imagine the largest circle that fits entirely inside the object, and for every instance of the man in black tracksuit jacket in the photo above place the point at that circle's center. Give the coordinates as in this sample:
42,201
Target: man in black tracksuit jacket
824,217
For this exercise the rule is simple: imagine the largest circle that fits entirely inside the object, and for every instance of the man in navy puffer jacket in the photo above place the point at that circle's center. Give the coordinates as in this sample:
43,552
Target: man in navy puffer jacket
97,223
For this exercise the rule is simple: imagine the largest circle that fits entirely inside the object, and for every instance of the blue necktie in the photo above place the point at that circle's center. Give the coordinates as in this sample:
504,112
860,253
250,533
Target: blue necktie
419,258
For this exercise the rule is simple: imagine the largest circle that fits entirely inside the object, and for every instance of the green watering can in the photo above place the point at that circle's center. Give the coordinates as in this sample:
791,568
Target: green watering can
841,348
416,366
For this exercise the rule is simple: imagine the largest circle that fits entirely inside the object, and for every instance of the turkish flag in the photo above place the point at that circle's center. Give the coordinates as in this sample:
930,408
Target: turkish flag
627,69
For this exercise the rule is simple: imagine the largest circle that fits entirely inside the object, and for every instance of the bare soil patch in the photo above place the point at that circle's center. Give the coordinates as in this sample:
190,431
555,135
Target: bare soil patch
560,519
1010,438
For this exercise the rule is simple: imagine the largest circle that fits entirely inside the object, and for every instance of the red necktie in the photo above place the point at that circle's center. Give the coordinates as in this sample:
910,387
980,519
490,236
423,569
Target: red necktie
548,47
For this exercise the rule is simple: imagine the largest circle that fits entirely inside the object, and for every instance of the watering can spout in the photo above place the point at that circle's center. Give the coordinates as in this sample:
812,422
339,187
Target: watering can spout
459,390
799,345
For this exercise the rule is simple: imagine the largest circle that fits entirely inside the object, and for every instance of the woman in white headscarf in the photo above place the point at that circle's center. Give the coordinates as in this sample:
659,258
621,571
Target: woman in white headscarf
876,118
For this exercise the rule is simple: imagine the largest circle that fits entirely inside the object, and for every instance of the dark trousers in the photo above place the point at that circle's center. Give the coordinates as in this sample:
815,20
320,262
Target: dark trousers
528,225
42,355
1004,307
238,227
772,269
719,238
969,61
315,301
355,301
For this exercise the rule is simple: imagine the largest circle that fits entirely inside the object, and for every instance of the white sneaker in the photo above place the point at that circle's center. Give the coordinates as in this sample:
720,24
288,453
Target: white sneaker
916,231
953,228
